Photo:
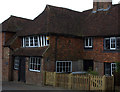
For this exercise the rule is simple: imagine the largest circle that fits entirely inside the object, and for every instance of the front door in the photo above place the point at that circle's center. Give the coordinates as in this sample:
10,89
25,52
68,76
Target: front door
21,72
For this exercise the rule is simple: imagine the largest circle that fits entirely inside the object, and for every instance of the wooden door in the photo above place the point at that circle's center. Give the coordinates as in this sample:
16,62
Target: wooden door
21,72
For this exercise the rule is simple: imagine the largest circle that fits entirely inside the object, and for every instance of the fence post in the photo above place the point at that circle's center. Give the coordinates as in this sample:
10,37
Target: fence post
89,81
113,85
55,81
70,81
104,83
44,78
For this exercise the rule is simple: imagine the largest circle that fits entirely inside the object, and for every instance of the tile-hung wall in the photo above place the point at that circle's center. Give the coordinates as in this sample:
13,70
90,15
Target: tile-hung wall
35,41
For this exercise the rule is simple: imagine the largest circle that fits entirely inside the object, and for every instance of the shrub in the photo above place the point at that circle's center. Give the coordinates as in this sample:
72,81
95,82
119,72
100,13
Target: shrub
90,71
118,67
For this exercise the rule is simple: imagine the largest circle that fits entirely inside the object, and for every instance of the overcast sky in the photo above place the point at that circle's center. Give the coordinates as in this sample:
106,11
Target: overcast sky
32,8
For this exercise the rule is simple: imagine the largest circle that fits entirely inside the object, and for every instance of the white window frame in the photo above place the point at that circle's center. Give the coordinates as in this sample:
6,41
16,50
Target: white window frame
89,42
23,42
31,62
62,66
16,58
111,38
41,40
38,41
113,67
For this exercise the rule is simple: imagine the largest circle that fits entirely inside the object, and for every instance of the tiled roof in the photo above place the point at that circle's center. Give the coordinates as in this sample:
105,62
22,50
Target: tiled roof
30,51
102,23
14,24
56,20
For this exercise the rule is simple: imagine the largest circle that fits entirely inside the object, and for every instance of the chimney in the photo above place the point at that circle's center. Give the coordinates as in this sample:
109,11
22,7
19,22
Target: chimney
101,5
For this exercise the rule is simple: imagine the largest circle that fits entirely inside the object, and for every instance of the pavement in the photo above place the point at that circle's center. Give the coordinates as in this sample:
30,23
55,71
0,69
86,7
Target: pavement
15,86
23,86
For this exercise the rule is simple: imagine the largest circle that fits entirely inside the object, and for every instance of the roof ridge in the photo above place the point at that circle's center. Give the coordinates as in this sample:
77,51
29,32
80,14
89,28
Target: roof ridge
52,6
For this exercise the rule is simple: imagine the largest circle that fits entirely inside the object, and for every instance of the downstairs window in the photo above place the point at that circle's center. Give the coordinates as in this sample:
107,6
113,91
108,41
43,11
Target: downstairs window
63,66
110,68
35,64
16,63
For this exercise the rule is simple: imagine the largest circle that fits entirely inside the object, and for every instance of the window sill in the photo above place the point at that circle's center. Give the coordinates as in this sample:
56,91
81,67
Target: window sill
34,70
86,48
34,46
64,72
16,69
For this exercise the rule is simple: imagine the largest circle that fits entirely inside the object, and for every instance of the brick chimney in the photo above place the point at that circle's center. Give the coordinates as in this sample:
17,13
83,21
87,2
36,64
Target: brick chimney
101,5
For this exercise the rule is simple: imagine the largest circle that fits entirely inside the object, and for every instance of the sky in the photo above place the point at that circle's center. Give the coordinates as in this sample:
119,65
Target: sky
32,8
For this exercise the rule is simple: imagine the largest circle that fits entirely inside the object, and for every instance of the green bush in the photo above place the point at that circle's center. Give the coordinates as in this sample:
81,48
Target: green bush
92,72
118,67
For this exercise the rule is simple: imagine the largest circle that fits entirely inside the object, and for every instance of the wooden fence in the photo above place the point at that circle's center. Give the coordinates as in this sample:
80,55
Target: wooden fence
79,82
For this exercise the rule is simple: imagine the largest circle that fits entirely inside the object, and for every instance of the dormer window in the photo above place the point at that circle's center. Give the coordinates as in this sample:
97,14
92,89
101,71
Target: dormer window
88,42
35,41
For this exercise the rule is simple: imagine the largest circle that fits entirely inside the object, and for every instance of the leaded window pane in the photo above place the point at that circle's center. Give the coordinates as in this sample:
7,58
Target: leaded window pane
118,43
16,63
63,66
113,43
36,41
35,63
107,43
31,41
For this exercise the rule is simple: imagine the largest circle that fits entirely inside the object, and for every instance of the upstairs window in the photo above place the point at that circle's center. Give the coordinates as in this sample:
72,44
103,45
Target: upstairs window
112,43
88,42
107,43
118,43
35,41
27,41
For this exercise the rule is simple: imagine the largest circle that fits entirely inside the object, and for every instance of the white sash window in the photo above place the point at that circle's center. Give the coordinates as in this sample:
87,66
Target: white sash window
35,41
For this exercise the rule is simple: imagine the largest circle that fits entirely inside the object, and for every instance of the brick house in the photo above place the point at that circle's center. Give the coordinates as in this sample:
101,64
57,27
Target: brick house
8,35
63,41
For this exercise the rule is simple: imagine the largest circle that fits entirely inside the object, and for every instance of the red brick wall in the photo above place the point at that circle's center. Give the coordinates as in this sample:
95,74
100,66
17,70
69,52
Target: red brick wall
98,53
15,75
5,65
31,76
68,49
17,43
7,61
8,36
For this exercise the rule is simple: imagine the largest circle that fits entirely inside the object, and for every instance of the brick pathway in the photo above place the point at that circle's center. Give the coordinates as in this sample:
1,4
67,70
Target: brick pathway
23,86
